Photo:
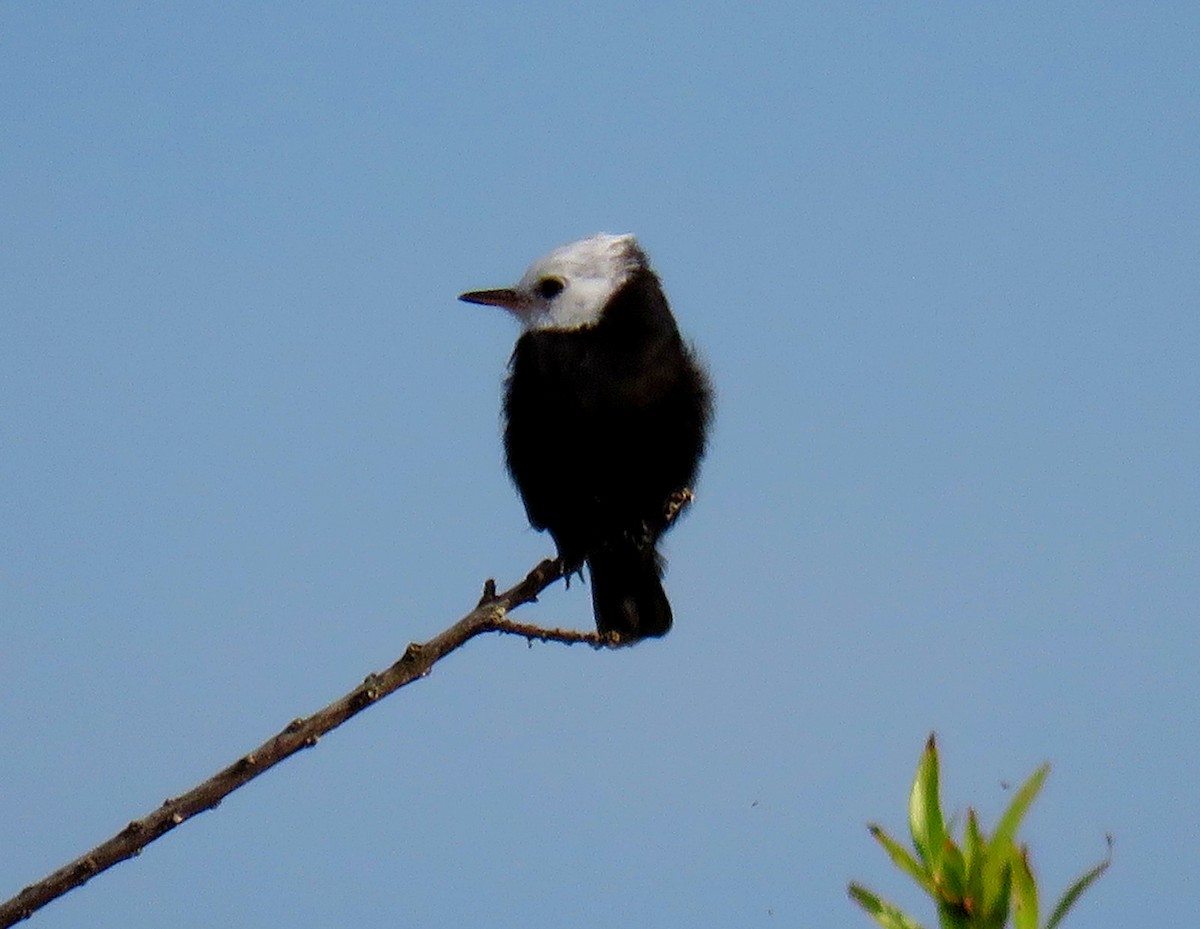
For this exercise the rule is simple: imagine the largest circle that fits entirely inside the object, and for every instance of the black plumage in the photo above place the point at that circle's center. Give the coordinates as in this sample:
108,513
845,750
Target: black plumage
604,422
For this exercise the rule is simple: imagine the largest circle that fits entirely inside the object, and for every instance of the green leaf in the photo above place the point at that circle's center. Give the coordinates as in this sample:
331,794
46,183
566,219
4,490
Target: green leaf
951,875
998,893
884,913
952,916
975,854
903,859
1006,831
1076,890
925,808
1024,891
950,879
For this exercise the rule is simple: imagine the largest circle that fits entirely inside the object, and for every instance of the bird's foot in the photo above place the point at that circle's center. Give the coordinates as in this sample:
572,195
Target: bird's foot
570,568
677,503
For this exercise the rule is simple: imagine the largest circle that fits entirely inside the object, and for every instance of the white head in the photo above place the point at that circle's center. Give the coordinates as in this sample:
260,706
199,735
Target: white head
569,288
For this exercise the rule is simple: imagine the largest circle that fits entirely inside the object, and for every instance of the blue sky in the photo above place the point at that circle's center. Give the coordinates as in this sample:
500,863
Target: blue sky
941,262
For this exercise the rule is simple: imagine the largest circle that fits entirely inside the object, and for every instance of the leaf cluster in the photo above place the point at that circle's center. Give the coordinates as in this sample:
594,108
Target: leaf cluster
977,883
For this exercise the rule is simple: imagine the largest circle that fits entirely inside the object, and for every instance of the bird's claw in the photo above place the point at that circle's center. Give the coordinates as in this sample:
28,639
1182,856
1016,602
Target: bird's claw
677,502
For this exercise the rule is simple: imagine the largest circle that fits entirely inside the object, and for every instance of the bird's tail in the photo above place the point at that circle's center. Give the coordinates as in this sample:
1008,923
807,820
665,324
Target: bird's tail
627,591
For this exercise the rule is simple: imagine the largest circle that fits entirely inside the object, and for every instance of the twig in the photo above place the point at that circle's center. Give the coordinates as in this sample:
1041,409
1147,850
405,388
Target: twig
489,615
416,662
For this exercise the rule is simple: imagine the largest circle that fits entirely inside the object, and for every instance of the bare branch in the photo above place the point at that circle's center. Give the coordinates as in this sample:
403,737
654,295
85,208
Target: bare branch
489,615
416,662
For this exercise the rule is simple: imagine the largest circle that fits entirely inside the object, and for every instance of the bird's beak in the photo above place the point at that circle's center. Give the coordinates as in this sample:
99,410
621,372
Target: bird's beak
506,297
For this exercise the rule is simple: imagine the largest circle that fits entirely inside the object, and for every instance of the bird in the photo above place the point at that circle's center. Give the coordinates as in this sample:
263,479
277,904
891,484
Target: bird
606,415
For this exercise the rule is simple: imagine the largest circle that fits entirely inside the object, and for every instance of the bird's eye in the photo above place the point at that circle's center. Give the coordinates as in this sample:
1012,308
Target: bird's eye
549,287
